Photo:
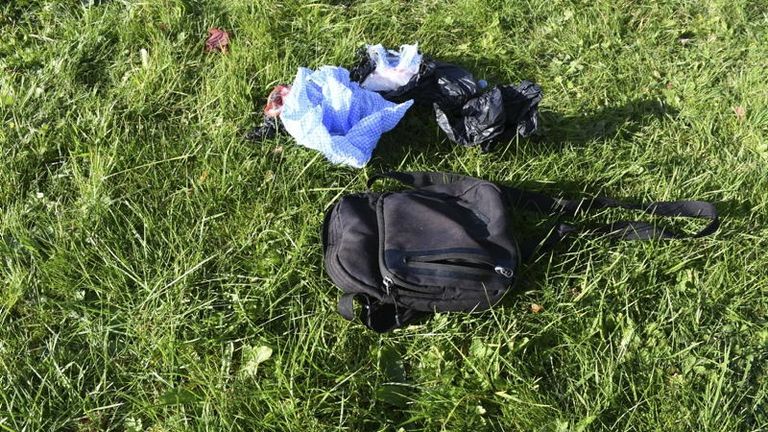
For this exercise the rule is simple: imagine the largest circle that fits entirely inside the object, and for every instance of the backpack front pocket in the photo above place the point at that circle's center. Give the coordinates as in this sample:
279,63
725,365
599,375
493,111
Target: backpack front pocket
431,243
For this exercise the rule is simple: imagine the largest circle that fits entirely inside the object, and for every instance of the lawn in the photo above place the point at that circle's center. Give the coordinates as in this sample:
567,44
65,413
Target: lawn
161,273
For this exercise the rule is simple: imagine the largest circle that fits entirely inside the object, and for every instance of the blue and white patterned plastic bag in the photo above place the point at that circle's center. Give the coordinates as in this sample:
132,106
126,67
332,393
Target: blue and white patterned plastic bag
327,112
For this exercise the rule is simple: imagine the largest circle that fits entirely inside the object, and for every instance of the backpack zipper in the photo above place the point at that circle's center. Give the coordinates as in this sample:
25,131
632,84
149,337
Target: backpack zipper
468,263
388,284
391,282
504,271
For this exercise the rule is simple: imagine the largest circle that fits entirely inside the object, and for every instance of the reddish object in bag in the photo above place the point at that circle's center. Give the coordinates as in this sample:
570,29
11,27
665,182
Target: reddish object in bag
274,105
218,40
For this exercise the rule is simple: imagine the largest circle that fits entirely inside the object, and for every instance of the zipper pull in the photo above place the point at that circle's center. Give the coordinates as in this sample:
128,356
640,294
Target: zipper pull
388,283
504,271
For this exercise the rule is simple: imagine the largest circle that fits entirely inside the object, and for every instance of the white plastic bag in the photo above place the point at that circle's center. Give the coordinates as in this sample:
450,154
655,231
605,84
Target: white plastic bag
393,69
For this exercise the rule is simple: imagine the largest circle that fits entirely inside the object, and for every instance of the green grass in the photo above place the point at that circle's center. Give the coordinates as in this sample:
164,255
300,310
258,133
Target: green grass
149,254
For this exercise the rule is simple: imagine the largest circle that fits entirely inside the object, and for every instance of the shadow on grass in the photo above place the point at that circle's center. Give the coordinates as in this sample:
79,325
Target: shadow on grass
620,121
417,137
93,59
736,209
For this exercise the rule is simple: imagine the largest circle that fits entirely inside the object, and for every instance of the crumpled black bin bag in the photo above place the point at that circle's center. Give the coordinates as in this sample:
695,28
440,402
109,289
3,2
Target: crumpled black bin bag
442,83
522,103
500,113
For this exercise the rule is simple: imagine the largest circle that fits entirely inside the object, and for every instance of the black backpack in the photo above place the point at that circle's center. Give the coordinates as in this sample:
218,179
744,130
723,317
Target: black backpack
445,245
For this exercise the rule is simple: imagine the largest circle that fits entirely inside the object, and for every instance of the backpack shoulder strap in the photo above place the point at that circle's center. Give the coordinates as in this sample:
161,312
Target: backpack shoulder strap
623,229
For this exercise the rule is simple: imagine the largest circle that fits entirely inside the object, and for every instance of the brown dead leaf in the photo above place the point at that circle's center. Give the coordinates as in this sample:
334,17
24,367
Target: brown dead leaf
277,151
740,111
218,40
536,308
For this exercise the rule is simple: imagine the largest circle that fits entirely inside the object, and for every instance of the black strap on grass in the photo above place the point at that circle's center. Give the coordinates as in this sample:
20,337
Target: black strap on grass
623,229
346,306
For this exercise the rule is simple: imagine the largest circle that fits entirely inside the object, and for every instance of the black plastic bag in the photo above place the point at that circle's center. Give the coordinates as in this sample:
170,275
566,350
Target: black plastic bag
521,104
500,113
365,65
479,120
270,124
445,84
268,129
